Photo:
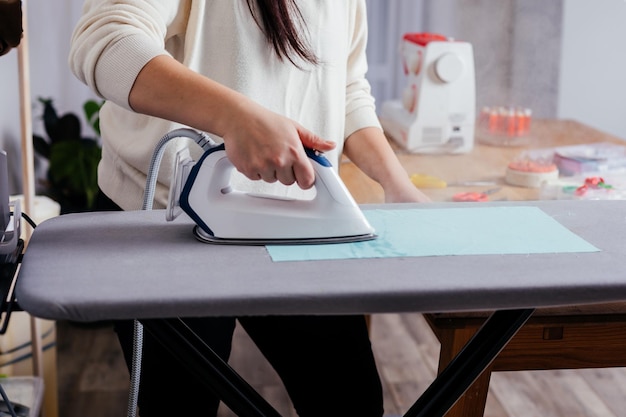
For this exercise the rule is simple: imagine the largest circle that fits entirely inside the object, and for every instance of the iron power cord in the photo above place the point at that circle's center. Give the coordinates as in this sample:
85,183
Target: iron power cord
29,220
205,142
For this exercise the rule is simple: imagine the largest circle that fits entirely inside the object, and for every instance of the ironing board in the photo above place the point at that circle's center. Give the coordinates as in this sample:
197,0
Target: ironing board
120,265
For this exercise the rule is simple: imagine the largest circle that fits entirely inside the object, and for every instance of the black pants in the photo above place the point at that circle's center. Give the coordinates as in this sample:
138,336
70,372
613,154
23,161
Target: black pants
325,362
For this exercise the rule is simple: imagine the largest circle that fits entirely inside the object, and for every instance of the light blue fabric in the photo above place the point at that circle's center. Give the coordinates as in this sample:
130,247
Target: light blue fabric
448,231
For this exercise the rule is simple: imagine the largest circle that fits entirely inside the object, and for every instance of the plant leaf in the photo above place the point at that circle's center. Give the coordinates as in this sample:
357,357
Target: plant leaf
41,146
73,169
68,128
92,114
72,177
50,118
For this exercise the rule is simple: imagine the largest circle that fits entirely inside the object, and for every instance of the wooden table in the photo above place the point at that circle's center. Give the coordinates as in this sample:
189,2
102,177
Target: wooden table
483,163
590,336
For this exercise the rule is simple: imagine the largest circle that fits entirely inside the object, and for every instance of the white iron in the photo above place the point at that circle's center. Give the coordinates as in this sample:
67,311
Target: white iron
227,216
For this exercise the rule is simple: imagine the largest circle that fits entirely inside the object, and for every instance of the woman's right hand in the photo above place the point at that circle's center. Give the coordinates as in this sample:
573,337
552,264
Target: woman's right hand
266,146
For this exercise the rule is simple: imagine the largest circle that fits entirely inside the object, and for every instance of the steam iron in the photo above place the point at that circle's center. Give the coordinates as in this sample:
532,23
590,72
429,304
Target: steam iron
224,215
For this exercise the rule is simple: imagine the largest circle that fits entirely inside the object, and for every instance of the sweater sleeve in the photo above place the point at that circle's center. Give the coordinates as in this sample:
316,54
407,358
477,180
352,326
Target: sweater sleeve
114,39
360,106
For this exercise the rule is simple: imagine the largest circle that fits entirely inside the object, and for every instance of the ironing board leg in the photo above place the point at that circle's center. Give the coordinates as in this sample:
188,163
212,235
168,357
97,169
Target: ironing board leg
214,372
470,362
244,401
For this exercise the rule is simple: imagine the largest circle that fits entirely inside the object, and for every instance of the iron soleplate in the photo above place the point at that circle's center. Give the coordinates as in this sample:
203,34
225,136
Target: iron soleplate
204,237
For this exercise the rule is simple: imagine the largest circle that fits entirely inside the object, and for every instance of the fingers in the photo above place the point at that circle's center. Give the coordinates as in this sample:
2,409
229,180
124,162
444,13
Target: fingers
311,140
271,148
303,170
304,173
284,176
273,168
286,170
297,170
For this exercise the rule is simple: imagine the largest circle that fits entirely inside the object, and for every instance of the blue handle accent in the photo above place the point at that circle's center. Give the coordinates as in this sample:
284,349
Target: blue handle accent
317,157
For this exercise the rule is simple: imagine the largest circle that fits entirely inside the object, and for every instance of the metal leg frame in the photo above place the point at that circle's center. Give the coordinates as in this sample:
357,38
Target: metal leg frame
244,401
208,367
469,363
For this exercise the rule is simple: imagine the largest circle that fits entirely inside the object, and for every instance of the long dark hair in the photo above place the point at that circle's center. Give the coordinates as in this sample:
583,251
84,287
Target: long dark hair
281,21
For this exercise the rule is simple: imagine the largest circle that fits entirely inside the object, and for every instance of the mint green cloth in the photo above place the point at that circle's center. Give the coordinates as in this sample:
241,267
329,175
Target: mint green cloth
448,231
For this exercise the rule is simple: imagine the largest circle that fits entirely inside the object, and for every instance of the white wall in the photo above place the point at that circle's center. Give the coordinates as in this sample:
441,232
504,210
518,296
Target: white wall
387,21
516,46
592,85
50,25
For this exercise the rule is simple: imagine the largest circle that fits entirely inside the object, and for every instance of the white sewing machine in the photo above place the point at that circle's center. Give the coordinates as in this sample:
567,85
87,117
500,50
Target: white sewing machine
438,108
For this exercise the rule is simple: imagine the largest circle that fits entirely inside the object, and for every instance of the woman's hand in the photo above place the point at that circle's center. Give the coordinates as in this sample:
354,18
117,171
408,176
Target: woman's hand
266,146
404,192
369,149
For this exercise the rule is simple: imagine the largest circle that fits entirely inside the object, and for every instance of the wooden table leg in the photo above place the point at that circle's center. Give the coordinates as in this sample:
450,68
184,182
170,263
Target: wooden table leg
469,364
472,403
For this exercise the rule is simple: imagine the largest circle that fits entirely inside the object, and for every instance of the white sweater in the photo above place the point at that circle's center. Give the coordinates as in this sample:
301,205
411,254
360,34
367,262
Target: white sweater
114,39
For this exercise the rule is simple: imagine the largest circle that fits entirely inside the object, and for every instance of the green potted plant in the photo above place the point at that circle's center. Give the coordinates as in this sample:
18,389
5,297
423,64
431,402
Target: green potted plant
72,178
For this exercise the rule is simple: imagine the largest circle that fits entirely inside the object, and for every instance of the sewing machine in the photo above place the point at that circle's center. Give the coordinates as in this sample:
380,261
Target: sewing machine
437,110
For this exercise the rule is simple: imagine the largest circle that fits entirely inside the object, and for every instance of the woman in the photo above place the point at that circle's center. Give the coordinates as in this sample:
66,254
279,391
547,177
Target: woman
265,77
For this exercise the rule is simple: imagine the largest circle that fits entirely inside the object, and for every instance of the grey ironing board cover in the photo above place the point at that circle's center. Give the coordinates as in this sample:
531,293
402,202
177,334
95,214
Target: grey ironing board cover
134,264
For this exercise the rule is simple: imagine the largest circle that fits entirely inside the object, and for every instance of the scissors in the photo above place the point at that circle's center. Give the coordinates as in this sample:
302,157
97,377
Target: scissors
474,196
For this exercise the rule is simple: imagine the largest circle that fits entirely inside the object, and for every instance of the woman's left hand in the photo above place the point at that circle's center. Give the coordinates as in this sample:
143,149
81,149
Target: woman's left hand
404,192
369,149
